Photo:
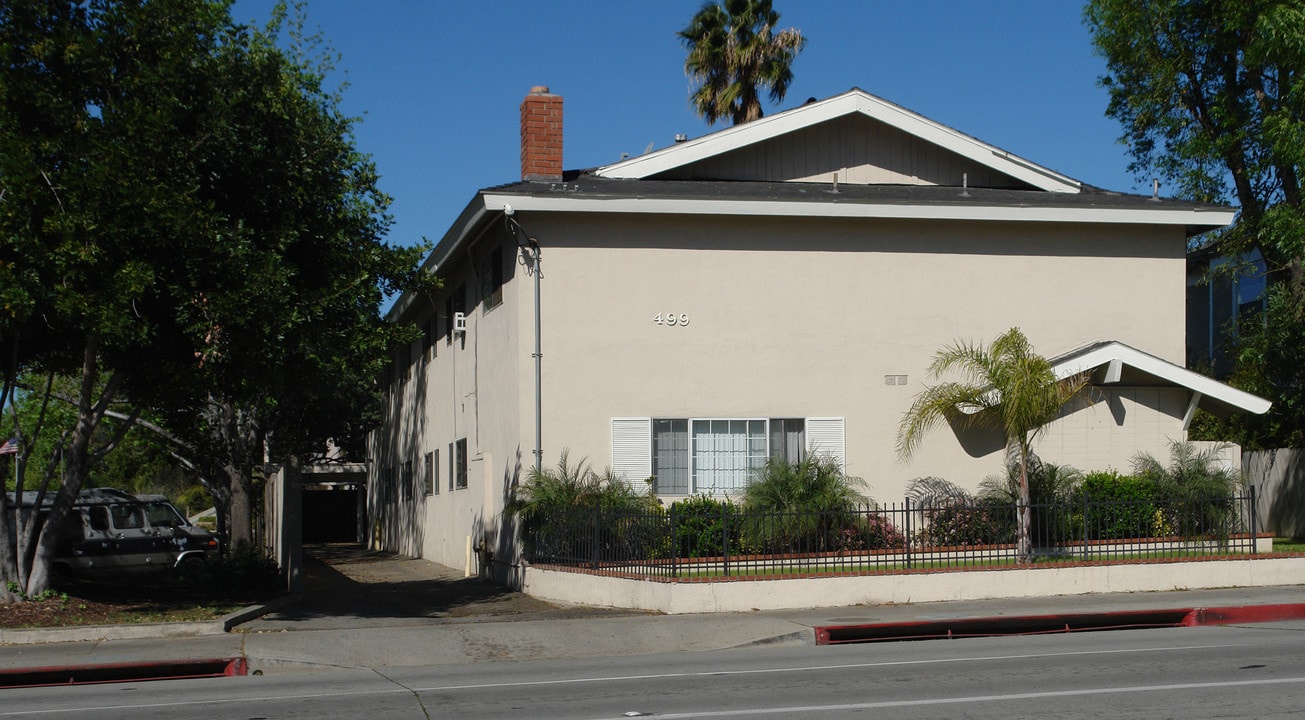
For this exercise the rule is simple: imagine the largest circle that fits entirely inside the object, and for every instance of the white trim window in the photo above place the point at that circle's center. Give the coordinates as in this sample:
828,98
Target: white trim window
684,456
724,454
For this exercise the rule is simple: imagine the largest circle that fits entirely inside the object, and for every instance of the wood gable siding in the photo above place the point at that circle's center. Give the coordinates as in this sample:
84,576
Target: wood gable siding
860,150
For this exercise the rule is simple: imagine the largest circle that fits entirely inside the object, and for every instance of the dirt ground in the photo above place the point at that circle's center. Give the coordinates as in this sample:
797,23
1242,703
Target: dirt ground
85,603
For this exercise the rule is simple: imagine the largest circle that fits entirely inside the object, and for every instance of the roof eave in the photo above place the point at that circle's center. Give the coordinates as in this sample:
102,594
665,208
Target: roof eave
1187,217
471,218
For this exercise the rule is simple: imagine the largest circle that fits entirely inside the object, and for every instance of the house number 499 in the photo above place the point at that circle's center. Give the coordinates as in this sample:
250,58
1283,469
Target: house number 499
671,319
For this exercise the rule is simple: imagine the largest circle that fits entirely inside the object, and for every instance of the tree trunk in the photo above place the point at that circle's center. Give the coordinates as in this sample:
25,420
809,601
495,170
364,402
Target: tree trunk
76,463
8,553
241,508
1022,511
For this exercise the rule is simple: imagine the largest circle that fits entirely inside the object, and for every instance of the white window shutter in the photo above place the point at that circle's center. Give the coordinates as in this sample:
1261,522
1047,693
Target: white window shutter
825,437
632,449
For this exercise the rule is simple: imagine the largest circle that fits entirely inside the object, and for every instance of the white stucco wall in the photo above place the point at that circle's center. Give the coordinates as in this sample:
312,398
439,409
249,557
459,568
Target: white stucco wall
745,596
476,388
804,318
788,318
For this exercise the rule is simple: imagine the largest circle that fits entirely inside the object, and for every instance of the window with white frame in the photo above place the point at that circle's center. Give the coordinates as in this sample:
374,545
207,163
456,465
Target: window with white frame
725,454
685,456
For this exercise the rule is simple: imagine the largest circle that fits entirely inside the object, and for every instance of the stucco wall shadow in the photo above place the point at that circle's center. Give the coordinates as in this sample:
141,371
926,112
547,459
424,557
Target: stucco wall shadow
1279,477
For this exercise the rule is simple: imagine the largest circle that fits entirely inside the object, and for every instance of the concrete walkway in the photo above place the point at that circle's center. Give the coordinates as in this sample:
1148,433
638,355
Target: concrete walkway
372,610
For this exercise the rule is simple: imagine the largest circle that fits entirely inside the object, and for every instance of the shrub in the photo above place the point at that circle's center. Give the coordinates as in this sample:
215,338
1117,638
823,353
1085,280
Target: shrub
241,572
1111,506
701,523
986,521
869,532
955,517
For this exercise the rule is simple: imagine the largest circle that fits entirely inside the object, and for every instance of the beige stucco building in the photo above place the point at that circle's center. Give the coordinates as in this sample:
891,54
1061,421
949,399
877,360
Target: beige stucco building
767,290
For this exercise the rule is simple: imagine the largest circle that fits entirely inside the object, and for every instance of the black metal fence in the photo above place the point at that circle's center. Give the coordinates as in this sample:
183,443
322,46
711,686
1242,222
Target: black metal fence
895,538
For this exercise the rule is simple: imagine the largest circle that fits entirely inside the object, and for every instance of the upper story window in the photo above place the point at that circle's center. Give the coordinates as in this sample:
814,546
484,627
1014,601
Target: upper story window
492,281
428,333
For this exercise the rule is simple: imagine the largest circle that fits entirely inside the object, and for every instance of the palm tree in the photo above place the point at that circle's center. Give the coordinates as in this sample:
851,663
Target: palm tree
733,51
1006,386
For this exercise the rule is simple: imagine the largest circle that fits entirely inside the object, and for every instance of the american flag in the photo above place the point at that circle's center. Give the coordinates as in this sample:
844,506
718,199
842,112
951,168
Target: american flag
10,447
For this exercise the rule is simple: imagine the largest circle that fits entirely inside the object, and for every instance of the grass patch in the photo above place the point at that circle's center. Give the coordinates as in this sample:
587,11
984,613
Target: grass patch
1289,545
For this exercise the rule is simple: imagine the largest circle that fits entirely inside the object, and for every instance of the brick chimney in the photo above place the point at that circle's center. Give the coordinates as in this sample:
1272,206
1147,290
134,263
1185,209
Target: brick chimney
541,136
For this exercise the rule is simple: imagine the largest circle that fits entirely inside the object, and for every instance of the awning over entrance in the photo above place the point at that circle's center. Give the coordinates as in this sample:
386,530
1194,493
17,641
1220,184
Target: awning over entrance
1114,364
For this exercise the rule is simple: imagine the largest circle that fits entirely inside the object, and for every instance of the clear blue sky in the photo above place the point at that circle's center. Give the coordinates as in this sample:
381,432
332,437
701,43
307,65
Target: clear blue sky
437,83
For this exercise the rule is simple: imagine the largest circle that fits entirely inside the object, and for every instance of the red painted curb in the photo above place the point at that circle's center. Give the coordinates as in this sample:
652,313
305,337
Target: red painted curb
1248,614
1056,623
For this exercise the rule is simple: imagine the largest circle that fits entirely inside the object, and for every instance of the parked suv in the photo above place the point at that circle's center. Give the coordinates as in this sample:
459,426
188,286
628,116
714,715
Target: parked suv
110,532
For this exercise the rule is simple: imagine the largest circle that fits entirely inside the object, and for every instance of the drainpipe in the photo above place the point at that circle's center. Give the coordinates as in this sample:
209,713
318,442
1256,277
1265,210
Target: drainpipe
530,250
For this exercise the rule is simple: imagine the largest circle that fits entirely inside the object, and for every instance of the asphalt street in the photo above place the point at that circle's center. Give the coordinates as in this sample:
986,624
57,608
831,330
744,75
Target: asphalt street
1210,672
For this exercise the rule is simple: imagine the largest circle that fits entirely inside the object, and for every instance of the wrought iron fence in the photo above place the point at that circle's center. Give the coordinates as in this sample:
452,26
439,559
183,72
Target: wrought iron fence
894,538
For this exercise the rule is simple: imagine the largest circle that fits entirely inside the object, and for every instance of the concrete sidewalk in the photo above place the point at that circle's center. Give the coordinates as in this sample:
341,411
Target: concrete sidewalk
372,611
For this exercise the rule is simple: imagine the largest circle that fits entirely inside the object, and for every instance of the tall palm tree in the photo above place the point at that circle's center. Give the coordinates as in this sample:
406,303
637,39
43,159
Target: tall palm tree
1005,386
733,51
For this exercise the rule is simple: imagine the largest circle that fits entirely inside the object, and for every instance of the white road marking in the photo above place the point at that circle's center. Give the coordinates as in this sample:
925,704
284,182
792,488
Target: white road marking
317,695
792,710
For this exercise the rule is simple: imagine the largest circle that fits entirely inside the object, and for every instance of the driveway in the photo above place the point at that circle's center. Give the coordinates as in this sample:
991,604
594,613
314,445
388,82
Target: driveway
350,586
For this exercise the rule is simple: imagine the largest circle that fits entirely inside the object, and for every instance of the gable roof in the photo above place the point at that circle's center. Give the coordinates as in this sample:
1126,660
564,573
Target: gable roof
667,182
1116,364
853,103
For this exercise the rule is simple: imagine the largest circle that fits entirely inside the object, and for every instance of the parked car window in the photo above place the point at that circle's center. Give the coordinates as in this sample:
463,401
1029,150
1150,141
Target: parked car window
164,515
100,519
127,517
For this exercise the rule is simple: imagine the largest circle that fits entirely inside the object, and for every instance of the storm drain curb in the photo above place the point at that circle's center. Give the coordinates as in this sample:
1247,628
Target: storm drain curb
122,672
1056,623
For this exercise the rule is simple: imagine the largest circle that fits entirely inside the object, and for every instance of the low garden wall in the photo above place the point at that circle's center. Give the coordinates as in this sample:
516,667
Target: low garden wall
744,595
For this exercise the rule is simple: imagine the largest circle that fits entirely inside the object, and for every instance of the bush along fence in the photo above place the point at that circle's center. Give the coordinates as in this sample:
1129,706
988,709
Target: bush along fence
715,540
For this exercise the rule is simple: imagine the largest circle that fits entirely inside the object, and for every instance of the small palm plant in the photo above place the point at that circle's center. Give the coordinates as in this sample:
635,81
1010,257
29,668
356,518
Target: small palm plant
555,504
803,504
1195,489
1006,386
1050,488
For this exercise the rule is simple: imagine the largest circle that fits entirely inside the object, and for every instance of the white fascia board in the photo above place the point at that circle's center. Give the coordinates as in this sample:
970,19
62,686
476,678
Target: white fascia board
778,208
966,146
1164,370
726,140
467,222
852,102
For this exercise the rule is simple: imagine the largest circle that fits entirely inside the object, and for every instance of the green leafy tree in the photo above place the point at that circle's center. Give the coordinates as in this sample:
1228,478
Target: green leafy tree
1271,364
1005,386
1211,97
184,218
735,52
